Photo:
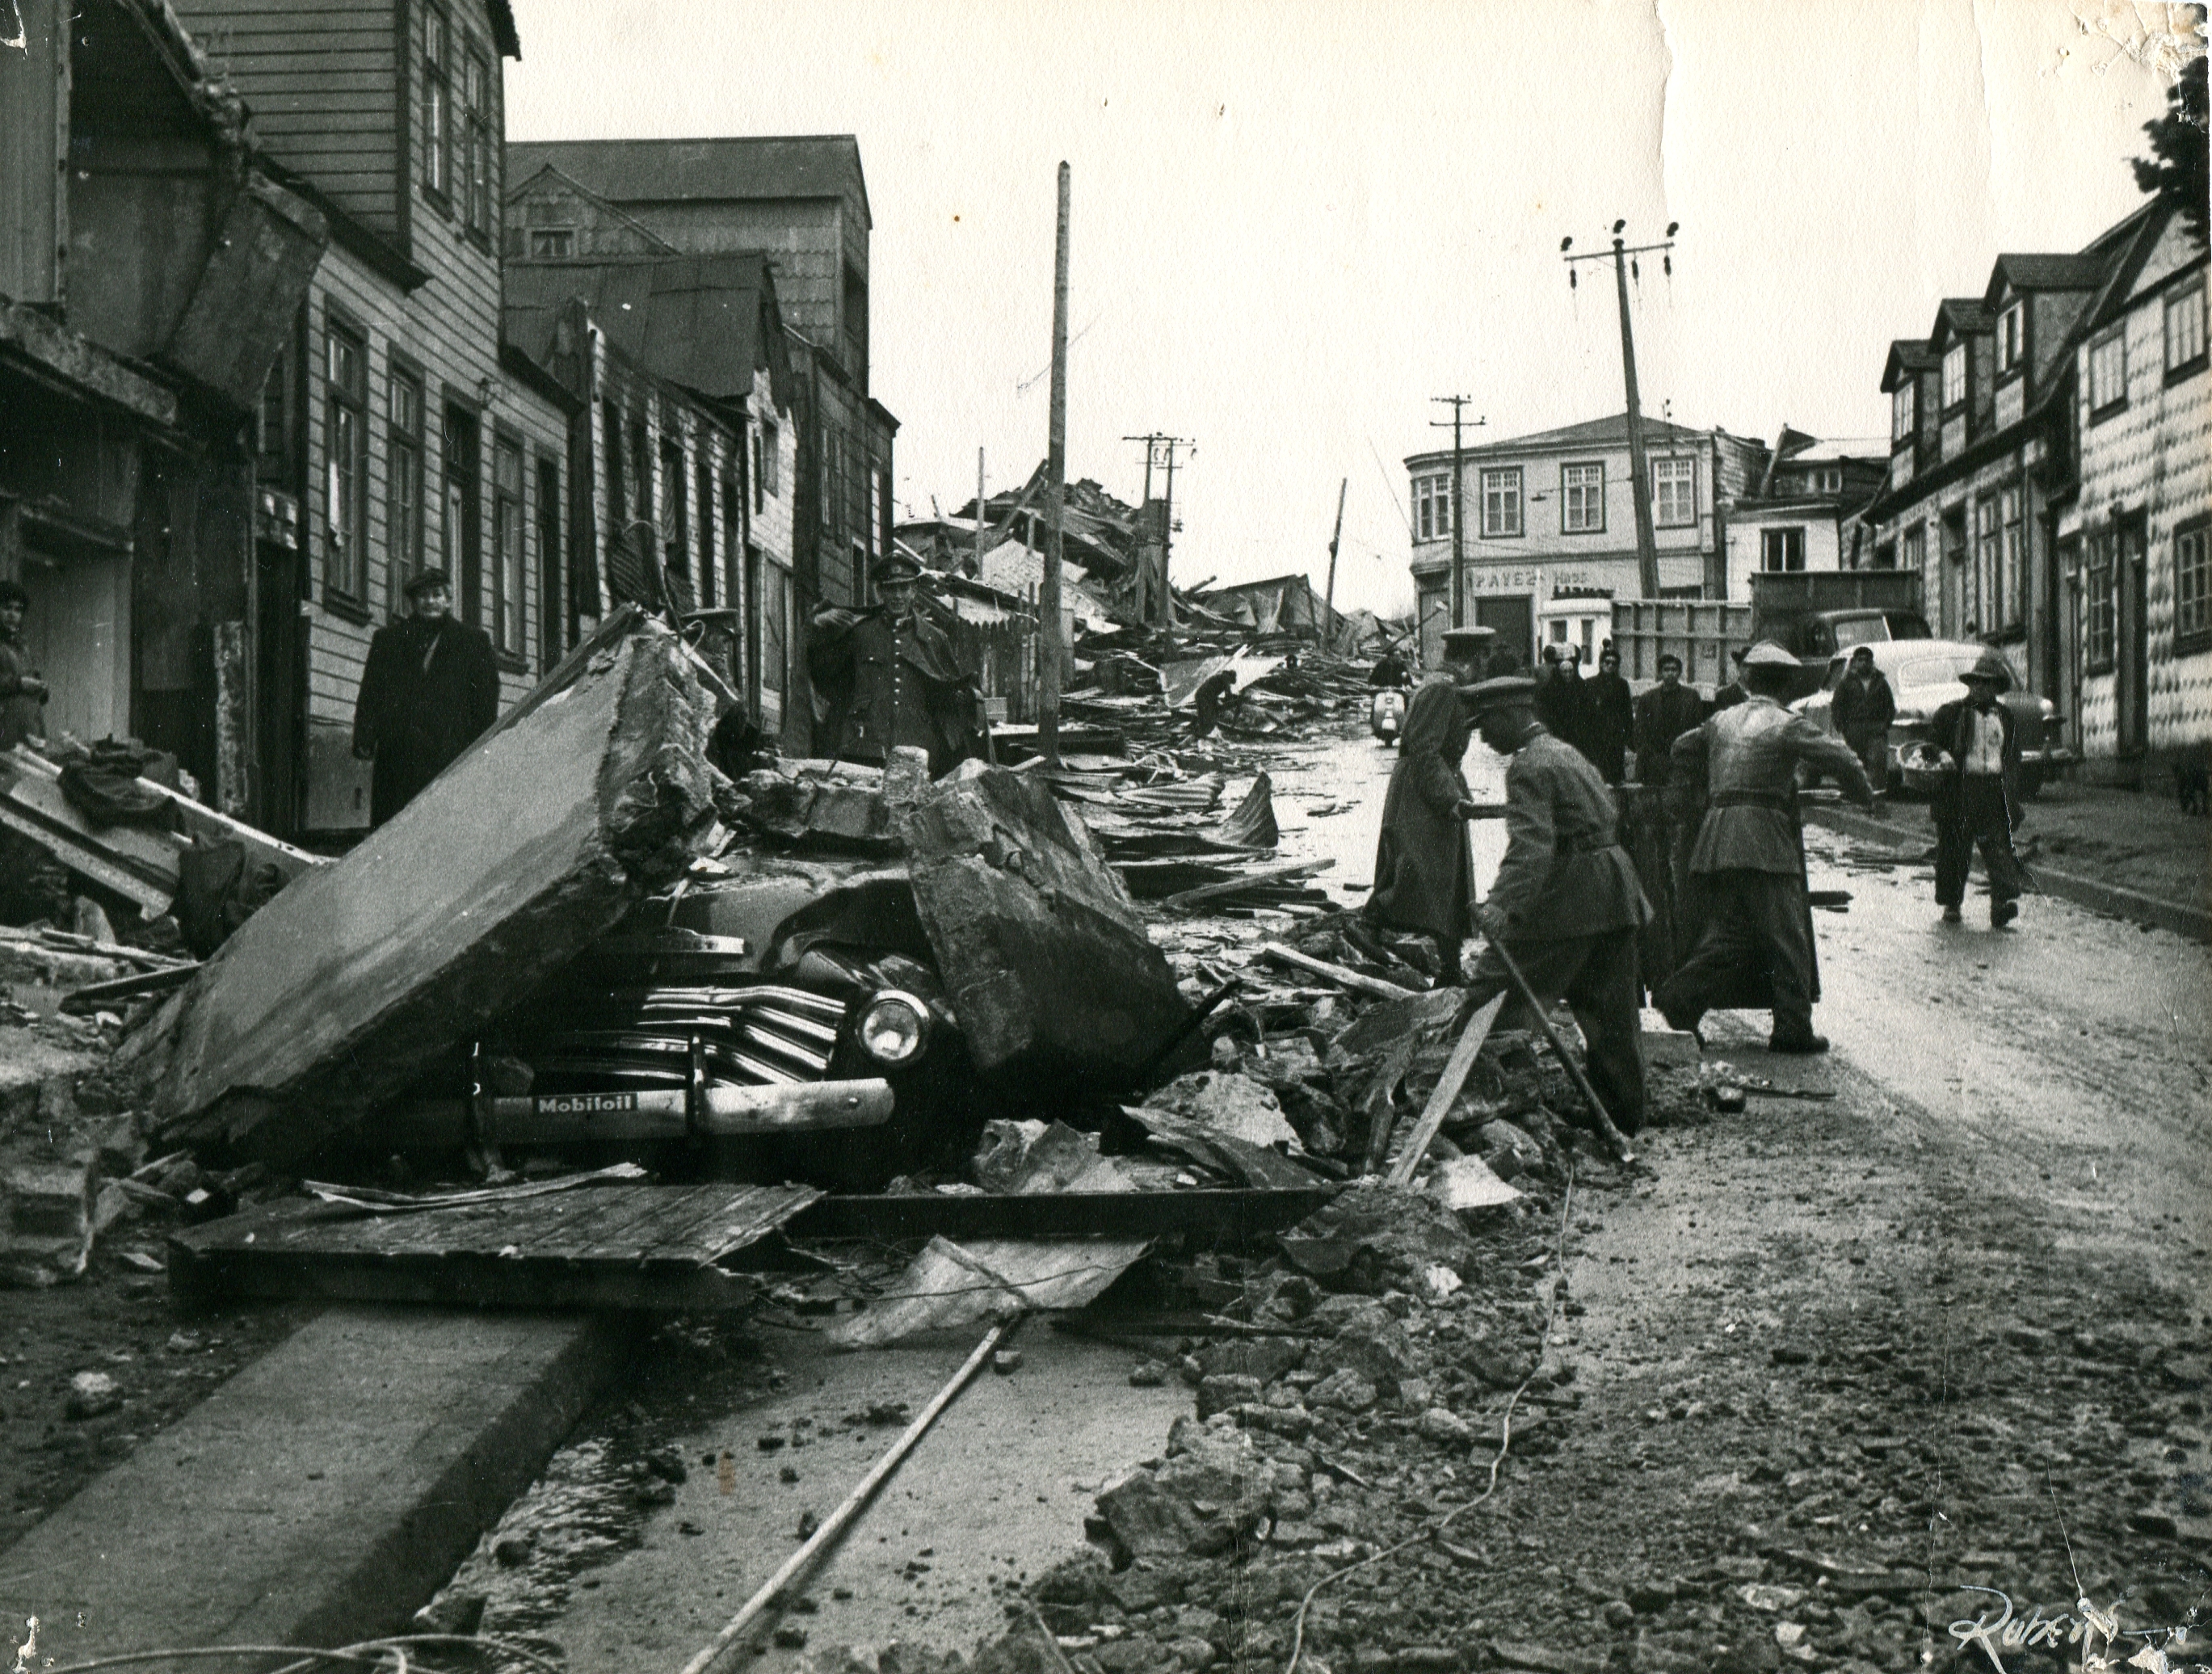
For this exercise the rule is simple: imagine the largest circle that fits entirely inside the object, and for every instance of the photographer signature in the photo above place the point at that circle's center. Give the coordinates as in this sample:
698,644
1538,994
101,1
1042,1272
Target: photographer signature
2097,1632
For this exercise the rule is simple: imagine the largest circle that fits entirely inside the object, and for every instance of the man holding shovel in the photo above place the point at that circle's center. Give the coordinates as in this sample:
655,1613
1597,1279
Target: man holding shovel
1566,908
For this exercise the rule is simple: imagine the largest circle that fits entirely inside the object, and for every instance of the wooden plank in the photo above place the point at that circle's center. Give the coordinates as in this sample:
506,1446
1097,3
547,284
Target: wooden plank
949,1285
1266,874
80,856
1230,1214
1456,1069
1357,982
461,1281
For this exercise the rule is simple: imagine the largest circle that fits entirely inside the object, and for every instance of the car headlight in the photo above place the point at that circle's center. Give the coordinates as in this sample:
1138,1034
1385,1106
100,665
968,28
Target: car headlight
894,1028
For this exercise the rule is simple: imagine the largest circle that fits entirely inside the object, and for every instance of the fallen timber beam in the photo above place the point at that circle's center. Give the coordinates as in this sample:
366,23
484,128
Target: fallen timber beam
1272,875
1359,981
1233,1216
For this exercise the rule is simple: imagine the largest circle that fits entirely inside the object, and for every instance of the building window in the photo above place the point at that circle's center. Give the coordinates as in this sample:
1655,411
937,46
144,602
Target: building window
1955,376
676,550
2192,587
2108,371
732,506
2099,615
507,572
2010,590
1501,501
618,501
345,458
770,474
476,116
1582,499
1432,508
550,611
1782,549
1988,610
2012,336
2184,328
402,477
1675,492
437,105
461,525
640,477
1916,550
1904,410
552,244
772,631
706,488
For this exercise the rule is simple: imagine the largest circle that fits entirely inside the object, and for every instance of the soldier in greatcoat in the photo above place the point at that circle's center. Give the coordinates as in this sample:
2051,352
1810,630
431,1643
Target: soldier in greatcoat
1749,858
429,691
1421,856
1566,903
892,678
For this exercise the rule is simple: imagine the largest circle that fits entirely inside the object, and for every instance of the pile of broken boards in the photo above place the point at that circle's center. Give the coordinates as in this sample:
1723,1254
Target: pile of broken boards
1143,683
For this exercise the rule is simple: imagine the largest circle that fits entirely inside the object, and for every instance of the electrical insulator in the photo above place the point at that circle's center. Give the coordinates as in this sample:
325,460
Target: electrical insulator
1571,278
1667,263
1634,272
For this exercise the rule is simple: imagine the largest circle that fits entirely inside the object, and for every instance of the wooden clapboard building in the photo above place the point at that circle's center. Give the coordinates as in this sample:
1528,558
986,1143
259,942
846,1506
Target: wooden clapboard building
151,264
398,430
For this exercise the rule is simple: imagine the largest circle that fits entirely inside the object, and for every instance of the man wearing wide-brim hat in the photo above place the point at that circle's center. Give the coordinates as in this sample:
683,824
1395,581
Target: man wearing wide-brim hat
1749,860
1421,854
892,678
428,690
1975,799
1566,903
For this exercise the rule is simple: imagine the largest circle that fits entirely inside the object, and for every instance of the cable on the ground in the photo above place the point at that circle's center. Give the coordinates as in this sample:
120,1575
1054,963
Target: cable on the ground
1504,1443
388,1655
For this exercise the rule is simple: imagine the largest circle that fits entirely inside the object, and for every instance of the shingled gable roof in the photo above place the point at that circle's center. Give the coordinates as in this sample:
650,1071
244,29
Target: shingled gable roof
517,189
706,323
1608,432
1906,355
2034,273
731,169
1959,317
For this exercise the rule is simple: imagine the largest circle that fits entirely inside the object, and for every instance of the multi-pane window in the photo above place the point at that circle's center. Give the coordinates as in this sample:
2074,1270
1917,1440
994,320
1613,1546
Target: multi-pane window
1904,409
2184,327
677,550
2108,371
1582,498
774,636
345,456
437,103
507,571
475,118
2192,584
1431,507
1989,576
550,588
1501,501
552,244
1782,549
1955,376
770,473
732,506
402,477
618,498
2012,336
1915,549
2011,580
1675,492
2100,612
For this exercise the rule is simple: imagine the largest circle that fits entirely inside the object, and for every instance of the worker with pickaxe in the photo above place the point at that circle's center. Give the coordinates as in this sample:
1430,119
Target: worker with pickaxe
1564,912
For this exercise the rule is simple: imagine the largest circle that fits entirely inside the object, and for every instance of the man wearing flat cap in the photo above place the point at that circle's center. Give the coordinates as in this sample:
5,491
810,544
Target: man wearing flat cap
1421,856
1749,860
429,691
1565,902
890,677
1977,800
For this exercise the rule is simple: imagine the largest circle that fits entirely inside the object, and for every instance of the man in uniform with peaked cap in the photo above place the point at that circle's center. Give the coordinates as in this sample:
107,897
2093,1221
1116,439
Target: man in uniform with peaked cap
1565,902
428,690
890,676
1749,856
1421,854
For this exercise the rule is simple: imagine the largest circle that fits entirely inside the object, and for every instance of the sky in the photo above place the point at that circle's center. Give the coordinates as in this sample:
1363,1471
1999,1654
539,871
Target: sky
1294,222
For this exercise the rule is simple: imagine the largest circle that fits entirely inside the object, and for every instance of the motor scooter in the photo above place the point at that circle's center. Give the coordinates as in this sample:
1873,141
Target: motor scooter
1386,715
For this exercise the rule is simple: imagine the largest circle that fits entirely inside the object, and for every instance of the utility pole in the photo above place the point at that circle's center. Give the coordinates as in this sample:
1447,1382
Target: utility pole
1647,550
1328,598
979,514
1056,498
1458,522
1161,448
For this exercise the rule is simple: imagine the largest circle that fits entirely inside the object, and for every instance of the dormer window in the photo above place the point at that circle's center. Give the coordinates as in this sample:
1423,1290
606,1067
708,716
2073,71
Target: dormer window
1955,376
1904,410
2012,338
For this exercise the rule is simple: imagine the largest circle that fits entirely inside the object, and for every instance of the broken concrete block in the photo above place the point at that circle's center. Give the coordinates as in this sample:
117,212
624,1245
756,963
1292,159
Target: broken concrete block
1264,1359
827,815
1445,1426
906,776
1212,1484
1046,962
1345,1389
1468,1183
45,1222
1231,1105
357,978
1220,1392
92,1395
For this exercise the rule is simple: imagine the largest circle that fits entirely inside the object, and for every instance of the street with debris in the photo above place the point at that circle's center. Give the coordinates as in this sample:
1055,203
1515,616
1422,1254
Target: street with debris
638,1035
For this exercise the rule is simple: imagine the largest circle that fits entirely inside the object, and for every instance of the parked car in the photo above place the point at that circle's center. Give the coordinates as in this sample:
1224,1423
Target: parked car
1924,676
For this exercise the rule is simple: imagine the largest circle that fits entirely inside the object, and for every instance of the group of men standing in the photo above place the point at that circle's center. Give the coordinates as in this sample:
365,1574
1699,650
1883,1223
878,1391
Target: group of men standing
1567,905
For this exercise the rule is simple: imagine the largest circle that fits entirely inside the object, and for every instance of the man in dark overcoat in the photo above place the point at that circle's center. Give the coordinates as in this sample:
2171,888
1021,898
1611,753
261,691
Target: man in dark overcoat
1976,799
429,691
1749,857
1566,903
1608,717
1663,715
1862,707
1421,856
892,678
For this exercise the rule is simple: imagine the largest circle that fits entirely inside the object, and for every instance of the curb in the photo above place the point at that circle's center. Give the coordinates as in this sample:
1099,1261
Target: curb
2091,892
324,1494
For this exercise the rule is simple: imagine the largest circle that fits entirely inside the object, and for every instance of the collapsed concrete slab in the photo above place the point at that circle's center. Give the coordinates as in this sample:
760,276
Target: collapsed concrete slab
1043,954
354,981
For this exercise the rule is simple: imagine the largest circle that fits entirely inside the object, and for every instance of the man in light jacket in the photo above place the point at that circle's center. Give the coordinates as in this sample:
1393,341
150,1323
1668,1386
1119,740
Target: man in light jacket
1977,800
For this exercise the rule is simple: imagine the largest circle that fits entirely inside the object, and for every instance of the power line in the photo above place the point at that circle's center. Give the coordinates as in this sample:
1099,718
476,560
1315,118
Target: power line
1623,256
1458,484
